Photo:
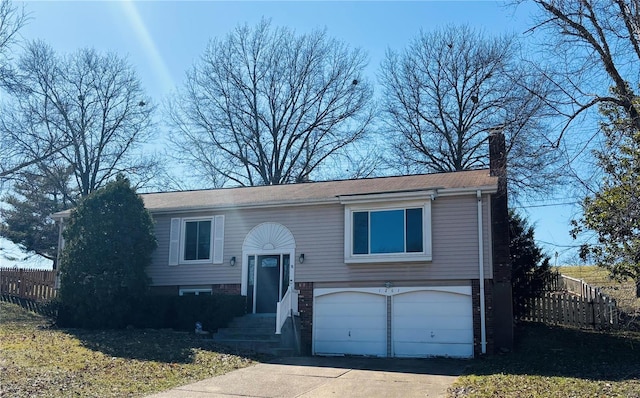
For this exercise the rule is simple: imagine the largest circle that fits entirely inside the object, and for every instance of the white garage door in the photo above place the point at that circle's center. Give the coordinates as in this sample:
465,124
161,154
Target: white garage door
432,323
425,322
353,323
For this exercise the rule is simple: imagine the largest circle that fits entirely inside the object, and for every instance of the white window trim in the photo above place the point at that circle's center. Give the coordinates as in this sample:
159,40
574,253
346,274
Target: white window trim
183,226
216,243
196,290
425,255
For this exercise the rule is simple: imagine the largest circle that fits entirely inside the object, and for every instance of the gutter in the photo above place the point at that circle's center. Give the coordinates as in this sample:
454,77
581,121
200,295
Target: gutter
340,199
483,329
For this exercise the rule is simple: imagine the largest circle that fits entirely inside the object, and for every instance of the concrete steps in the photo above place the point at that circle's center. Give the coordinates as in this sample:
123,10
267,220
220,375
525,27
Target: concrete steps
253,332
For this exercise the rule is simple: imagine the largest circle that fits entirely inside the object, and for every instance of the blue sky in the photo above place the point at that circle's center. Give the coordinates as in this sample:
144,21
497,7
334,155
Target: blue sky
162,39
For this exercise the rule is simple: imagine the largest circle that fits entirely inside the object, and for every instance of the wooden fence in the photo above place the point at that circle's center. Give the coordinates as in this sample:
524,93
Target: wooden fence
580,288
36,285
599,312
46,308
570,301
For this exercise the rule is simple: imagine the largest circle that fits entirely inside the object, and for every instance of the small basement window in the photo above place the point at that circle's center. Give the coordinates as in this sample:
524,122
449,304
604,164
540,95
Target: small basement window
196,292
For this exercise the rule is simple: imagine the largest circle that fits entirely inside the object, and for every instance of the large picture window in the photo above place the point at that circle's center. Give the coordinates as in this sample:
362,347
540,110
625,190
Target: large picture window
389,233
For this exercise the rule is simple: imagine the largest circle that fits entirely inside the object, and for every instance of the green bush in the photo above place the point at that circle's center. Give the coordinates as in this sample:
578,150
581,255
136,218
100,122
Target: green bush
109,239
169,312
182,312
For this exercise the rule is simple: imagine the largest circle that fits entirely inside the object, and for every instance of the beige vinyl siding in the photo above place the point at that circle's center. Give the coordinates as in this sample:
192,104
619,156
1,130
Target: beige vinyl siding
162,274
318,231
319,234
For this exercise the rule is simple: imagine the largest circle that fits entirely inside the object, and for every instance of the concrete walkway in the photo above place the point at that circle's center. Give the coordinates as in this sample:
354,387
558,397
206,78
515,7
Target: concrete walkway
329,377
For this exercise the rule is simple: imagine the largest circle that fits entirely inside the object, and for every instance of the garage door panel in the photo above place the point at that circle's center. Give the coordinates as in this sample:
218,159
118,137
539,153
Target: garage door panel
351,323
412,304
342,347
430,336
360,308
348,297
426,350
432,323
421,310
352,334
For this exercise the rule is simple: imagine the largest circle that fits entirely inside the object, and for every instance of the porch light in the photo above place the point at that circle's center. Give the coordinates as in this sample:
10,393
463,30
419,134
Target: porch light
232,262
301,258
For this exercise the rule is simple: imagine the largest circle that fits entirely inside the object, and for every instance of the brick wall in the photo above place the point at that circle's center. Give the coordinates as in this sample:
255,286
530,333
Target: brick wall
502,318
229,288
488,306
305,307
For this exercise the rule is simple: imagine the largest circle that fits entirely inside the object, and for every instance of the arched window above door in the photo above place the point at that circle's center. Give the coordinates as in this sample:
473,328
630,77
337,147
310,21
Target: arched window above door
269,237
266,239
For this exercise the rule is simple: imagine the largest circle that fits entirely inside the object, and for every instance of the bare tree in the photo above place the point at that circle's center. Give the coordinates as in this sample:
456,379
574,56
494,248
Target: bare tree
268,106
12,19
87,110
595,46
448,89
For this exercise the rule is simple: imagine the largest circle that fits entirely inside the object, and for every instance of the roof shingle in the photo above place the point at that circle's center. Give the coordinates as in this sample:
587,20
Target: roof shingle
314,191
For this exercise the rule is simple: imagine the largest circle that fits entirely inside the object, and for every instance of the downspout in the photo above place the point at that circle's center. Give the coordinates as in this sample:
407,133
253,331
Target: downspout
483,330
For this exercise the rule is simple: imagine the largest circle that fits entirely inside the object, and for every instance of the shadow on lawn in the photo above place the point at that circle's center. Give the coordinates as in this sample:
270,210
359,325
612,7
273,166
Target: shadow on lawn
567,352
150,345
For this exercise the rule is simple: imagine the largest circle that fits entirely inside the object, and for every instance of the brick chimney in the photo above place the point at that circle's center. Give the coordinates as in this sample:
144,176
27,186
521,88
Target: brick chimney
502,295
497,153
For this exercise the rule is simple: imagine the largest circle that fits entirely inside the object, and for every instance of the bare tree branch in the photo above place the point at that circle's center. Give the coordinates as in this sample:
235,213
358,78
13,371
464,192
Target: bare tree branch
598,42
86,111
449,88
267,106
12,19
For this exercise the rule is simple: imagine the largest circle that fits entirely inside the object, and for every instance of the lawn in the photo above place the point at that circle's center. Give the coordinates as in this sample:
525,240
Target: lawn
557,362
564,362
39,361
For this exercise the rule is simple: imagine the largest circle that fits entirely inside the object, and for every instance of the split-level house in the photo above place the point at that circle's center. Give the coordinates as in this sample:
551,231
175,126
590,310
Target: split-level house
406,266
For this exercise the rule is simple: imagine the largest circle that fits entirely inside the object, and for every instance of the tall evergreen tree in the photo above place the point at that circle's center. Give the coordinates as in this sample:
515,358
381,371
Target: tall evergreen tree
27,220
109,239
530,266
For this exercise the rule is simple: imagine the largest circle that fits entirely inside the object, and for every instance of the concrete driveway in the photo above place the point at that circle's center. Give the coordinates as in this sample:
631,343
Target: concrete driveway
330,377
